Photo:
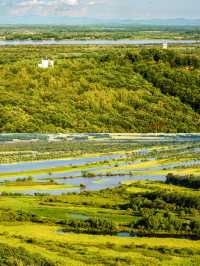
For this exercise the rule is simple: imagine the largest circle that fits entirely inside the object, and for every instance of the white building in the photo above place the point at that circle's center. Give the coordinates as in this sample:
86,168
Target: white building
165,45
46,63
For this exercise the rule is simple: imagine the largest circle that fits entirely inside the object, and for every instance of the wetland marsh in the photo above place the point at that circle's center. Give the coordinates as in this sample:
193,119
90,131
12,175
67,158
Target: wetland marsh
84,197
117,159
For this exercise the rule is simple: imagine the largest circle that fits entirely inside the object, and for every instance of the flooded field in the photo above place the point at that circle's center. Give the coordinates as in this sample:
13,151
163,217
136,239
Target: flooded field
72,194
95,162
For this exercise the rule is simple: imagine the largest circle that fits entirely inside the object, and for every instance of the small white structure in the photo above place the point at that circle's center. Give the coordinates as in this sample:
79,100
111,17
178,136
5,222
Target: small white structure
46,63
165,45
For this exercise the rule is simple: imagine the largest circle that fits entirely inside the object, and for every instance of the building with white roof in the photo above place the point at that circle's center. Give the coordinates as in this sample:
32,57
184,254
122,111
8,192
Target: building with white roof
46,63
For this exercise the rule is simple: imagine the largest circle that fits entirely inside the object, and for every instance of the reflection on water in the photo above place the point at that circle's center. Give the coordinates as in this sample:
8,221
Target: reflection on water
139,235
102,181
133,235
113,173
92,184
25,166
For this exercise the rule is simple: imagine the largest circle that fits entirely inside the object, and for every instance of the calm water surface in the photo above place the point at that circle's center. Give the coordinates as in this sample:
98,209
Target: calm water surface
96,42
19,167
102,180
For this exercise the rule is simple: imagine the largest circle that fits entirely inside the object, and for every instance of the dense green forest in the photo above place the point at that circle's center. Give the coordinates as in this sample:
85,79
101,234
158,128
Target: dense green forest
99,89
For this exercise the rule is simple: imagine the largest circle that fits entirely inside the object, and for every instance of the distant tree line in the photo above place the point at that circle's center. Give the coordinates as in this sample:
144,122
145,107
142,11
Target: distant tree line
190,181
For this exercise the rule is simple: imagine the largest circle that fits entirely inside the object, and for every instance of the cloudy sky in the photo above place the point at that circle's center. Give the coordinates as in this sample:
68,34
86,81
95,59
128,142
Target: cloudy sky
123,9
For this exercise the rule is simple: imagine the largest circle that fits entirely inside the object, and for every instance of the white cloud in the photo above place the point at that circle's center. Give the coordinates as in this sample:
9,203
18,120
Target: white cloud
102,8
39,3
43,7
53,7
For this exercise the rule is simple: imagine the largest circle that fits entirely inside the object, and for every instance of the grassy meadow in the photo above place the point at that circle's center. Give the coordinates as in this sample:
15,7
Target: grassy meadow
44,238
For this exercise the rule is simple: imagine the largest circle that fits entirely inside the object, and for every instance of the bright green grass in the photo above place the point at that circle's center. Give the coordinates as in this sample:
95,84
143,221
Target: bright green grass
79,249
146,186
63,210
25,188
147,164
82,249
100,181
188,171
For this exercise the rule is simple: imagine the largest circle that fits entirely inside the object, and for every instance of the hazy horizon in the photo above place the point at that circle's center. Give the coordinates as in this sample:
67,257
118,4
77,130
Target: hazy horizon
86,21
28,10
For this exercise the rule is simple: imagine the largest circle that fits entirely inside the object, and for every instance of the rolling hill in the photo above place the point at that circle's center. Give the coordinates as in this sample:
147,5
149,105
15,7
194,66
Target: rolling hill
99,89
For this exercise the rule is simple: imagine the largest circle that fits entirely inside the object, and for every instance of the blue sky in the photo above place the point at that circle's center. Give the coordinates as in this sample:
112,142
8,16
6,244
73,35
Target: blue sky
109,9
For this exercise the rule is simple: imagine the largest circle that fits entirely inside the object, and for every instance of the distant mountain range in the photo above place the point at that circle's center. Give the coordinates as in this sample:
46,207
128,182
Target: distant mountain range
34,20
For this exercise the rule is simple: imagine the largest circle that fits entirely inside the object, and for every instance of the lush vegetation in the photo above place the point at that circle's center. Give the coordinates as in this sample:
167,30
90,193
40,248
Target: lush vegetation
187,181
169,72
41,234
111,221
157,211
98,89
19,256
91,226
